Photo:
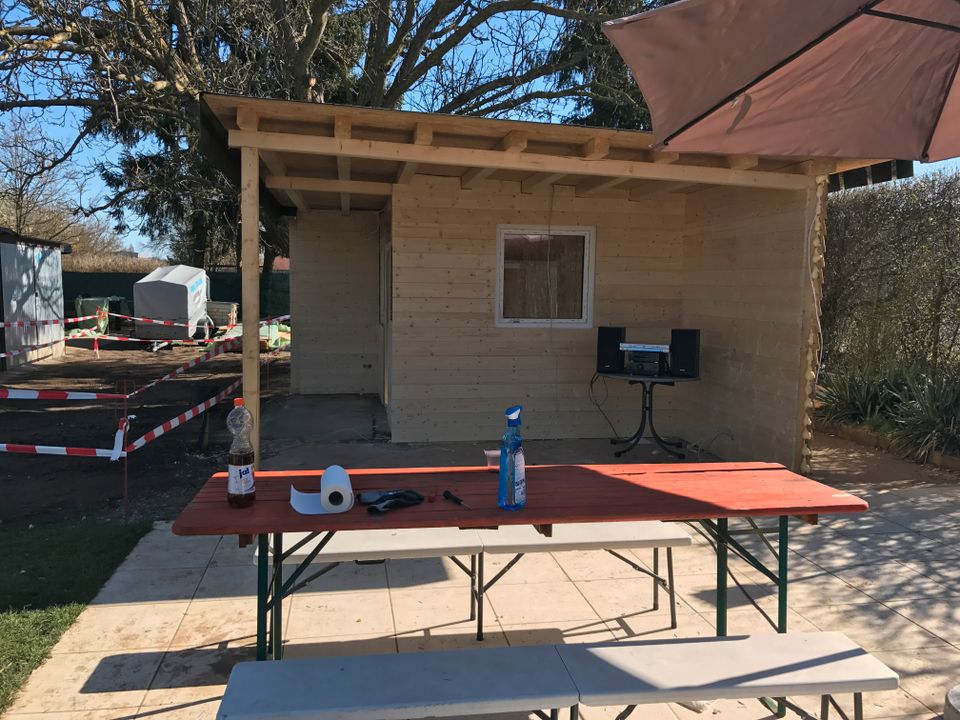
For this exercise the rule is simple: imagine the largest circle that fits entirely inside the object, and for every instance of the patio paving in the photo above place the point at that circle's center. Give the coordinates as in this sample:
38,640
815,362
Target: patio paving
161,637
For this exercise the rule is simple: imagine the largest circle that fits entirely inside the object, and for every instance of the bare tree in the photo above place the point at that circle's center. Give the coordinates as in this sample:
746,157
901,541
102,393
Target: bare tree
132,71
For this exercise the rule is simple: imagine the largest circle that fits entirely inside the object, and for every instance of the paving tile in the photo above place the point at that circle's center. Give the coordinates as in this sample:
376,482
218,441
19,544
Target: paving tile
345,577
926,673
427,573
229,553
892,581
941,616
539,603
220,623
116,714
644,712
205,709
160,549
599,565
452,637
340,646
434,608
615,597
331,614
226,583
749,621
872,626
194,675
816,586
89,681
558,632
531,568
649,625
945,572
725,710
122,627
889,703
700,591
692,560
128,586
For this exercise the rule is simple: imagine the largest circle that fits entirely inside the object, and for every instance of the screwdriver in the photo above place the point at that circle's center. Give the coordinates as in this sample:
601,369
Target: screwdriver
447,495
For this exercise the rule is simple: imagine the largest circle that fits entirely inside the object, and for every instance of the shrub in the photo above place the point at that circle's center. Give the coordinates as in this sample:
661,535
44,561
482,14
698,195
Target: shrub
854,397
928,417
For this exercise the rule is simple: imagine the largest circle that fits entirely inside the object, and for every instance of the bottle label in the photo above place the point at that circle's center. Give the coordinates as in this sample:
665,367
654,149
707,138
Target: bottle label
519,479
239,479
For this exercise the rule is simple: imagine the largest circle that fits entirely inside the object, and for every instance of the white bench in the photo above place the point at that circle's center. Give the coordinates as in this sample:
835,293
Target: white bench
393,687
518,540
535,678
641,673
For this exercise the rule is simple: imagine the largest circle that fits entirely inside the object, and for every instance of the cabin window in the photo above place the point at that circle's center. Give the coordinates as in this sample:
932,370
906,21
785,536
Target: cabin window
544,276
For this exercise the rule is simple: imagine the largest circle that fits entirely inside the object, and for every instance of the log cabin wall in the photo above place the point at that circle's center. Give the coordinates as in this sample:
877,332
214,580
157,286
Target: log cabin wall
745,285
454,372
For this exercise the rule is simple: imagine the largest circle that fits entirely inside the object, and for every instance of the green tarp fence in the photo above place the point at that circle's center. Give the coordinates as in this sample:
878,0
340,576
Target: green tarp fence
225,286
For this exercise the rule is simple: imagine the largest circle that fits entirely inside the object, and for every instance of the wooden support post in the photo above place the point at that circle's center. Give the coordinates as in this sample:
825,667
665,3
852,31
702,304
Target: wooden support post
250,285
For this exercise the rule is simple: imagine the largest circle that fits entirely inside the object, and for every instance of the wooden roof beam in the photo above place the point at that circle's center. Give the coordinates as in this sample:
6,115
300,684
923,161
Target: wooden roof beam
654,187
422,135
664,157
534,182
595,148
513,142
342,131
534,162
595,187
742,162
313,184
275,167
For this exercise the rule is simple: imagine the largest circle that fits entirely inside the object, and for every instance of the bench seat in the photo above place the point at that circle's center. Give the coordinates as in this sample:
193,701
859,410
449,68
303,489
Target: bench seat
641,673
365,545
512,539
392,687
488,681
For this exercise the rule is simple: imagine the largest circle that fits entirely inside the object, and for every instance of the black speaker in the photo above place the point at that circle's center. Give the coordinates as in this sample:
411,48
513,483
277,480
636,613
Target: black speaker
685,353
609,355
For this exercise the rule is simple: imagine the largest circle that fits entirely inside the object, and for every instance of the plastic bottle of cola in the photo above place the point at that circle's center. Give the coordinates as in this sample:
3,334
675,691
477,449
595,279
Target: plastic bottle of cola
241,490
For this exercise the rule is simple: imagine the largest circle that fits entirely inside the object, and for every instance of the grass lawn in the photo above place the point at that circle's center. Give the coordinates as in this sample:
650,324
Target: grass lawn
48,573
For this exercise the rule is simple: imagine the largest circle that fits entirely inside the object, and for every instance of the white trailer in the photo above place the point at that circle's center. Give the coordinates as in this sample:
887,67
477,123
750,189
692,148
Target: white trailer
174,292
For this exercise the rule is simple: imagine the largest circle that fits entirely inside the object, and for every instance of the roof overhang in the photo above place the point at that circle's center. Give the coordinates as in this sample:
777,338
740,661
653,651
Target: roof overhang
317,156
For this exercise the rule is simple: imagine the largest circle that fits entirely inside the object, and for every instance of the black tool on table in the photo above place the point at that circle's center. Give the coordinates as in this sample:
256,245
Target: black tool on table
380,501
447,495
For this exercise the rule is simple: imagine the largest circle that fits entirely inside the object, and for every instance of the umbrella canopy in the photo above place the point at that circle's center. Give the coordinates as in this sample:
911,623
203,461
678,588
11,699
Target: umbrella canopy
829,78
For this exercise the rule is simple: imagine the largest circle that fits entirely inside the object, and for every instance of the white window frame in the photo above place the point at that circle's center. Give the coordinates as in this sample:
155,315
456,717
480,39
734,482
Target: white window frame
588,232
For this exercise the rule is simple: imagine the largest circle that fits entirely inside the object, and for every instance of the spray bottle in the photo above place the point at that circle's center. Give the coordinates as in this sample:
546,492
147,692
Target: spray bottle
512,487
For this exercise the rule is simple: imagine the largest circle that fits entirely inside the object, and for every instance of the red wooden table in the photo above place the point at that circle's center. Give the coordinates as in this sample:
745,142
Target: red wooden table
710,493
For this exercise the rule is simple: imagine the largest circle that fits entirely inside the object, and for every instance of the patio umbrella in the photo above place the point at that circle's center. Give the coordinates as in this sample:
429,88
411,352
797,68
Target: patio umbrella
831,78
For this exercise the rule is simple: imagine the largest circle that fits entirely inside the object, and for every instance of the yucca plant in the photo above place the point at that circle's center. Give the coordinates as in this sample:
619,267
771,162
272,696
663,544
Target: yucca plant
853,397
928,418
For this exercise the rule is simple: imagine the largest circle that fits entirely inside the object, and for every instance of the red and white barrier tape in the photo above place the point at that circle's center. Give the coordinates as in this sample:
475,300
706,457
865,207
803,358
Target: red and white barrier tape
17,394
182,418
153,321
126,338
40,323
217,349
114,453
29,348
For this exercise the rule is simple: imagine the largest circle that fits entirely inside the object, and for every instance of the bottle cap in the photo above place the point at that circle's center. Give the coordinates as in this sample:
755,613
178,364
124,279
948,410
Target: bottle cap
513,415
238,402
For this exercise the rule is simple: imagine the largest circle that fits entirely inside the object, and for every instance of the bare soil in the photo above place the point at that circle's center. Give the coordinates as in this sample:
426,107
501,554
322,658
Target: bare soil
160,477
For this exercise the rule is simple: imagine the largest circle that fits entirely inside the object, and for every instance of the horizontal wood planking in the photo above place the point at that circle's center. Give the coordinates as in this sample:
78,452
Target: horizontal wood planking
334,300
744,269
453,369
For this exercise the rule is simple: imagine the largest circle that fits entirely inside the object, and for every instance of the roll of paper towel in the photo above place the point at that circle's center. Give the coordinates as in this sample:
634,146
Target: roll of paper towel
335,496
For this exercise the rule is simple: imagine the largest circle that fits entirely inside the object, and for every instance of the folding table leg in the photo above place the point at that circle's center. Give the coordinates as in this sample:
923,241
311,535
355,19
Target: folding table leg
263,581
656,580
782,557
480,596
473,587
575,712
722,537
671,590
824,707
276,631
